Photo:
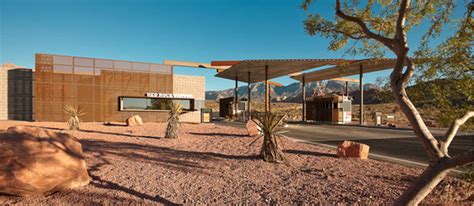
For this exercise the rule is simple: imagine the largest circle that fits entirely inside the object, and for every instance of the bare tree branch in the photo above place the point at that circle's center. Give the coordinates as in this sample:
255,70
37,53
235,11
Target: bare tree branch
462,159
356,37
402,47
384,40
427,139
402,15
399,81
405,78
451,133
352,36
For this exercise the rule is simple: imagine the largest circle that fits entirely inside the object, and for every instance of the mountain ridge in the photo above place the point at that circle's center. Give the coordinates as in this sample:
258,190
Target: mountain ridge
292,92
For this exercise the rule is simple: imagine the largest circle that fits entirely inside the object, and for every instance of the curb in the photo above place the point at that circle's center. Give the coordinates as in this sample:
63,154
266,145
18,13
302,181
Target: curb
383,158
355,125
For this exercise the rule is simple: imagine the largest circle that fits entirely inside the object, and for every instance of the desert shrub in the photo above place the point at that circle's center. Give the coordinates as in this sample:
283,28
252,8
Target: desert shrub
74,114
269,125
173,120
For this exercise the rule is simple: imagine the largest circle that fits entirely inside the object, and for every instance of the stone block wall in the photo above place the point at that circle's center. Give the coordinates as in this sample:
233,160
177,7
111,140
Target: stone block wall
193,85
3,93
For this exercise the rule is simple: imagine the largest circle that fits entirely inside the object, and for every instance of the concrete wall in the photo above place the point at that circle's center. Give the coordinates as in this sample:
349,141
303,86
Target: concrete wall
193,85
3,93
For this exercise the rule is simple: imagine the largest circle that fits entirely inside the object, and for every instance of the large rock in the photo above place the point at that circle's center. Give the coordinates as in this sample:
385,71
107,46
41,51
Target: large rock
34,161
353,149
252,128
134,120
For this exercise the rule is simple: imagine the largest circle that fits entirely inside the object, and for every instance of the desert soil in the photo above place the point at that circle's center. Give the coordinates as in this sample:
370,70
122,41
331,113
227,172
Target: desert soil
213,164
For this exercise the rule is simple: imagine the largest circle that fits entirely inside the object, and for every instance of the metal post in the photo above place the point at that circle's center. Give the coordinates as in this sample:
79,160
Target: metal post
361,87
248,98
347,88
236,94
267,101
303,98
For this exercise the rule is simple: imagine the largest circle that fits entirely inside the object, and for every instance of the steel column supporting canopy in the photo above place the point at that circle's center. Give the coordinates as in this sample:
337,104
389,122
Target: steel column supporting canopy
236,96
303,99
267,92
276,68
361,90
249,91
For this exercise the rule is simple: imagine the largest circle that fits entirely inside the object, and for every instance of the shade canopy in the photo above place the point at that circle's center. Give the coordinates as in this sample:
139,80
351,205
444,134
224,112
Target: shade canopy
276,68
351,68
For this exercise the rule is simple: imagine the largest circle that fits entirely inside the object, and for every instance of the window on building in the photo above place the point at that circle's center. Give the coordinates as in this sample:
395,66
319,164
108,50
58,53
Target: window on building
150,104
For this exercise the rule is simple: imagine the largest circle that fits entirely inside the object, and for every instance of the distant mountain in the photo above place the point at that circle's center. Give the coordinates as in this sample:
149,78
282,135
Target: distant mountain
292,92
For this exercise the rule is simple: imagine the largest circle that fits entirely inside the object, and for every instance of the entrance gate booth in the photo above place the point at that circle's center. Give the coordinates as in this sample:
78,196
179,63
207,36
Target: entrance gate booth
331,109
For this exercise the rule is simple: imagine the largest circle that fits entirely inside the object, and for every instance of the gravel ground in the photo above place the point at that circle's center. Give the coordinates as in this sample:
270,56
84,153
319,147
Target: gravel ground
213,164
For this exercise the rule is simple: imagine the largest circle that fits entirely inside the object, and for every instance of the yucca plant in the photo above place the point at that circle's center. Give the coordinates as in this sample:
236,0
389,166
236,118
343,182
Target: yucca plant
74,115
173,121
269,125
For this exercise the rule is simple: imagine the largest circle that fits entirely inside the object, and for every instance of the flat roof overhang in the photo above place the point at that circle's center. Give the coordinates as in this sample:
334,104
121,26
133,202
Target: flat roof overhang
352,68
240,70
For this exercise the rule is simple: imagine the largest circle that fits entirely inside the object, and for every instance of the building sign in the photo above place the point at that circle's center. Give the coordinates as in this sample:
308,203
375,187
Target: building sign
347,117
169,96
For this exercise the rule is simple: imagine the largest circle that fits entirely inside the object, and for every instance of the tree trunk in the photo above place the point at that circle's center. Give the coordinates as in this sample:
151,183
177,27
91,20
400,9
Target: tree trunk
419,127
271,151
440,162
424,184
172,129
438,169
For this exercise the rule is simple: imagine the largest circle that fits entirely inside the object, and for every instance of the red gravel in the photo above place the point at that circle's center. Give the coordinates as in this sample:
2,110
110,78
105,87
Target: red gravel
213,164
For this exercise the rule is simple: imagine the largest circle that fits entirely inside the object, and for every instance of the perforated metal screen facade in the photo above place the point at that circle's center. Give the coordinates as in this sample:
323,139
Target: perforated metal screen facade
95,86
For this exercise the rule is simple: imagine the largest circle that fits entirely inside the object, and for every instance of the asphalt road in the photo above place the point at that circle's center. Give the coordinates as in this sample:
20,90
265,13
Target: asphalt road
395,143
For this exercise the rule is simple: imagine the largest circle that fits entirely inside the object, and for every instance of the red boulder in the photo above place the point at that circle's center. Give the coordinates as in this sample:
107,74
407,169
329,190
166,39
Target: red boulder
252,128
353,149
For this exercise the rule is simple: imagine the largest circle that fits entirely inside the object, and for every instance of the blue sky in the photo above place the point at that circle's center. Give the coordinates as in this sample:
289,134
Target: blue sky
151,31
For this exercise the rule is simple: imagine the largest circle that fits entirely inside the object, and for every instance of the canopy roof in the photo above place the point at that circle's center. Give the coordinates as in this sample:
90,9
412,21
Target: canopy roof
239,70
351,68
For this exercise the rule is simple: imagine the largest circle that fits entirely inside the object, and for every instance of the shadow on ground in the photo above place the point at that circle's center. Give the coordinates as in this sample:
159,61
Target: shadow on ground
106,153
106,133
311,153
218,134
110,124
98,182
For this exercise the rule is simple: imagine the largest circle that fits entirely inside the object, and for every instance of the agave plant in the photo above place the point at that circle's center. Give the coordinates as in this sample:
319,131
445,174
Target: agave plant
173,121
74,115
269,125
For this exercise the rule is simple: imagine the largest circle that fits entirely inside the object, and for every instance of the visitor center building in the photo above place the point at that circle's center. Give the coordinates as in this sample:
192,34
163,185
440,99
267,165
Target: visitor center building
105,90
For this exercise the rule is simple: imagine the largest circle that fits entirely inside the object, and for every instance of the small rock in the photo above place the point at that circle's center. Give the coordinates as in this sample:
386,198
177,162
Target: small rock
353,149
134,120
